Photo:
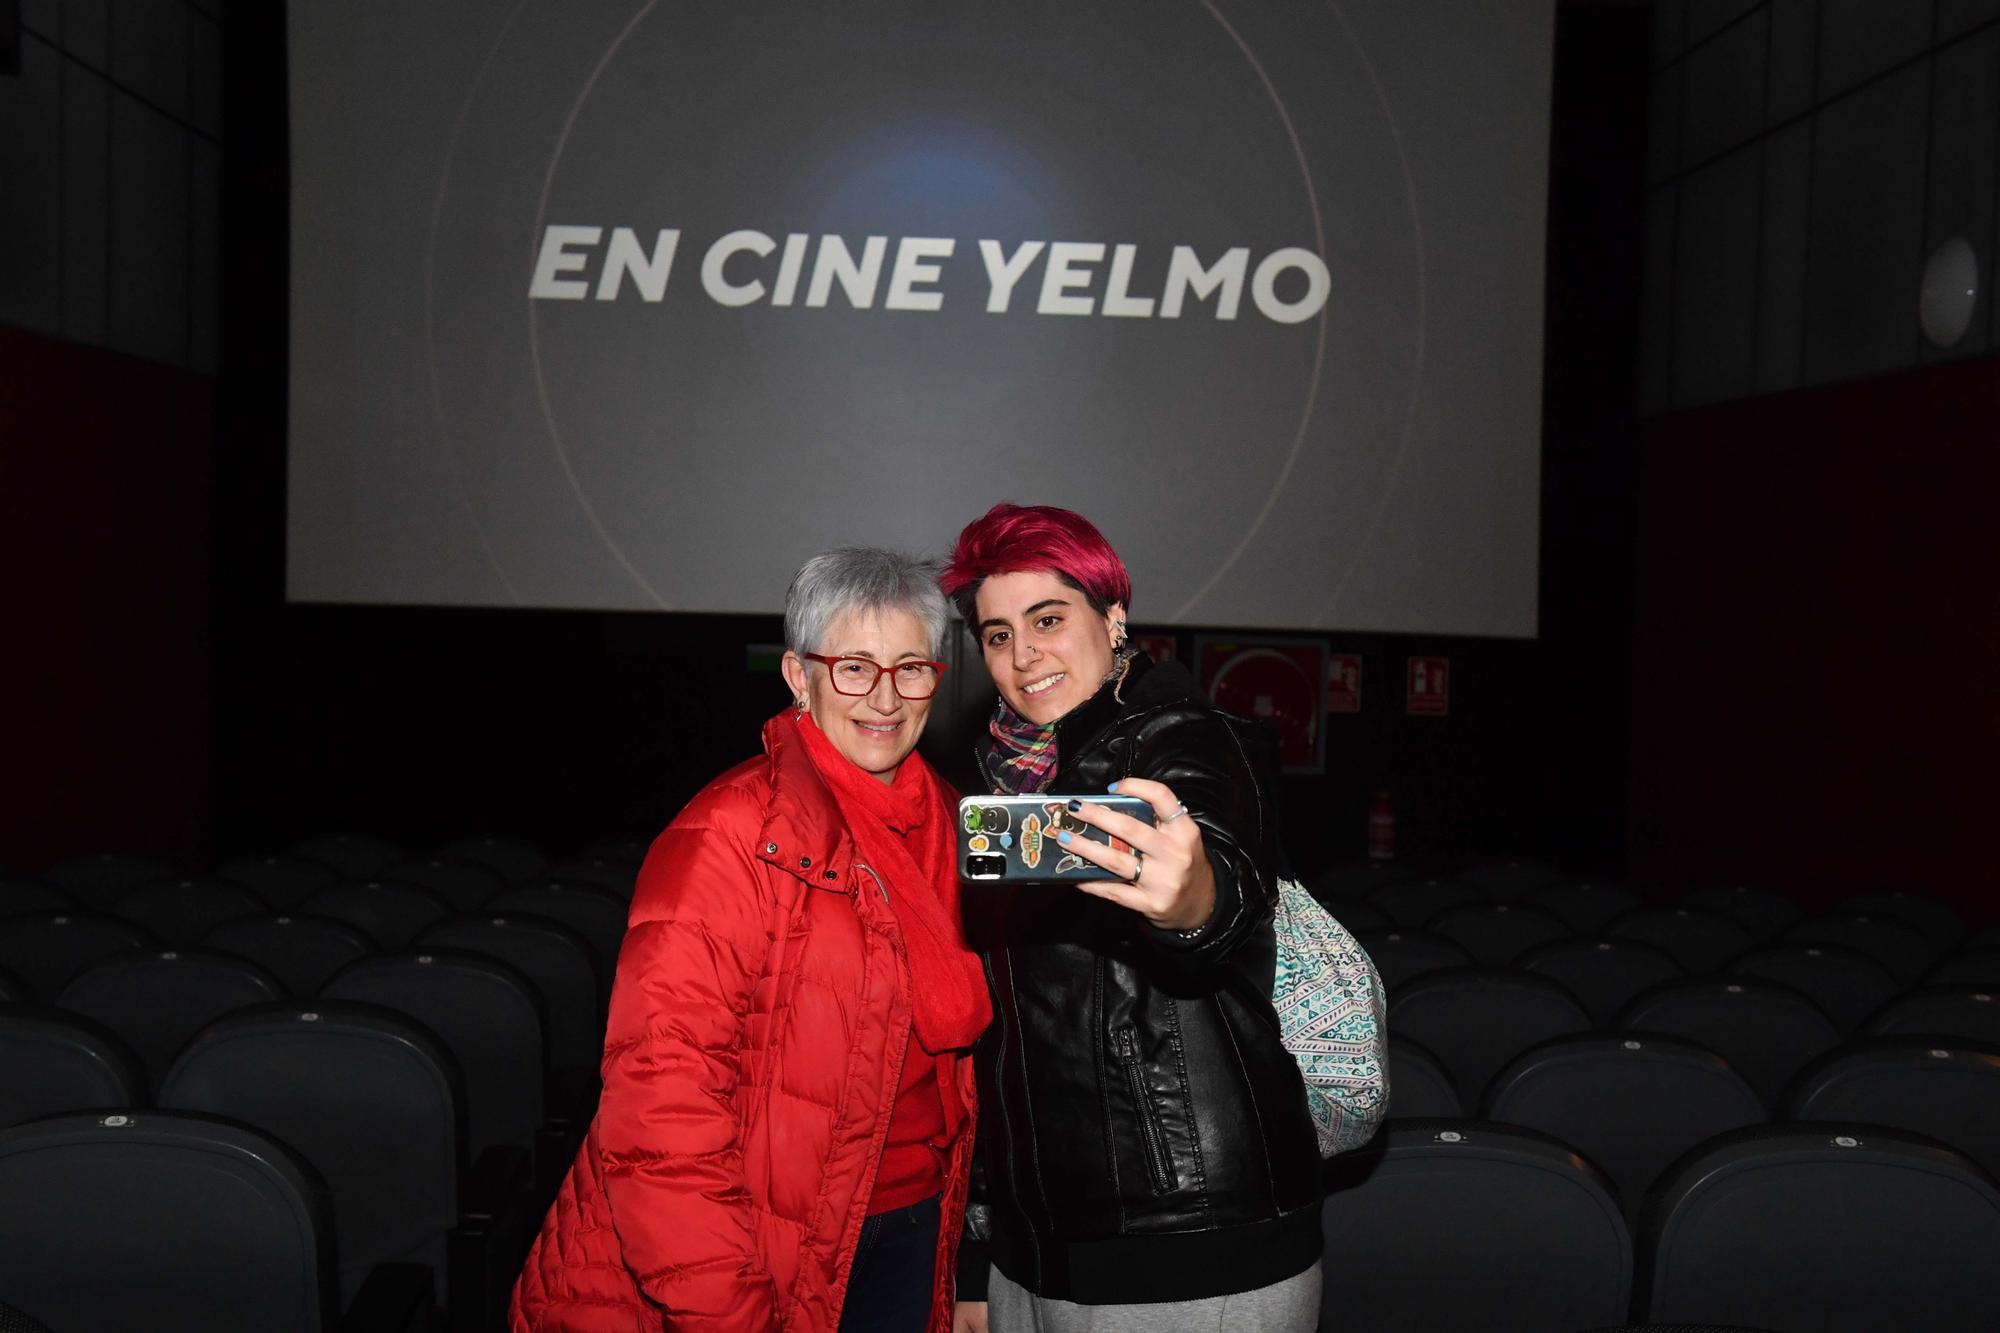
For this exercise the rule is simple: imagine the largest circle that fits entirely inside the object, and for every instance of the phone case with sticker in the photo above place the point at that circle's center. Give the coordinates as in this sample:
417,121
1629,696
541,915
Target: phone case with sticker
1014,837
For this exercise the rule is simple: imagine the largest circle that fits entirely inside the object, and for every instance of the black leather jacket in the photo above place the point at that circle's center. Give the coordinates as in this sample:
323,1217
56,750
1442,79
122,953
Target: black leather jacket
1143,1132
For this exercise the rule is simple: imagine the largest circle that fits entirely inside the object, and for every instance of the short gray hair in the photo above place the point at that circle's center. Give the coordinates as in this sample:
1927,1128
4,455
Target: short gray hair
861,578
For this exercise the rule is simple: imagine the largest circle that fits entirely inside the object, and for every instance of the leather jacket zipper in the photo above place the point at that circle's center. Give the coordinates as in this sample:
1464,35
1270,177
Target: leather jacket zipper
1149,1122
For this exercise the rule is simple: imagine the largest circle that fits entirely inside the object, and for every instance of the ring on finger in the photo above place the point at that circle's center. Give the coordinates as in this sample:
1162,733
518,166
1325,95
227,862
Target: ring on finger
1179,810
1138,866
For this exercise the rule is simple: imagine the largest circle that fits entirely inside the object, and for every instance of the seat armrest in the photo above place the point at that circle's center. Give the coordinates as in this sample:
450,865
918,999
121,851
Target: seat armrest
497,1215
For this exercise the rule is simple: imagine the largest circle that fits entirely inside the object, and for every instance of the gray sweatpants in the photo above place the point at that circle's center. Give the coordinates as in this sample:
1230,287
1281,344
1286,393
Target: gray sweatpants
1291,1306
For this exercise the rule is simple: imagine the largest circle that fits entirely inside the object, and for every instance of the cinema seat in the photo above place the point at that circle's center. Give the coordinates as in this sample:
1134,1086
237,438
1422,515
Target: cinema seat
281,881
51,1062
96,881
388,912
614,877
1420,1087
1359,918
157,1001
1941,926
1967,1013
463,885
1950,1093
1507,881
301,951
180,911
1476,1020
1411,902
593,913
1603,974
27,897
1902,950
556,959
1354,882
1847,986
1763,913
1402,955
1495,934
1765,1031
375,1103
1585,907
1980,969
1445,1226
514,861
1699,941
46,949
489,1017
164,1222
1838,1228
1631,1103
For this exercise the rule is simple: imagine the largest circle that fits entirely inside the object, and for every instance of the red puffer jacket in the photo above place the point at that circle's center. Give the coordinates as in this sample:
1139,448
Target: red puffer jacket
755,1044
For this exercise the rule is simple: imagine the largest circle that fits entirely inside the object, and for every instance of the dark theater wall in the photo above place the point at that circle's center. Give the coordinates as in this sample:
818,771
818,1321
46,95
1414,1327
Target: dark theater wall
1819,614
105,574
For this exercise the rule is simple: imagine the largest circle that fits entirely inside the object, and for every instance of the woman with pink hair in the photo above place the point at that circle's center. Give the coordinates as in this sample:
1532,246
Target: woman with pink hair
1148,1158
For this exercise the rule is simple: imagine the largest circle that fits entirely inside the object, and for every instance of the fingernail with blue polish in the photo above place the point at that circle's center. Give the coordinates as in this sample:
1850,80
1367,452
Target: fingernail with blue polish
1063,838
1076,805
1112,787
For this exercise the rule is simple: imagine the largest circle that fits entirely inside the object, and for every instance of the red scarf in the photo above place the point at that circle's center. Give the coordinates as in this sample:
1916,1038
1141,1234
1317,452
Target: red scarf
903,830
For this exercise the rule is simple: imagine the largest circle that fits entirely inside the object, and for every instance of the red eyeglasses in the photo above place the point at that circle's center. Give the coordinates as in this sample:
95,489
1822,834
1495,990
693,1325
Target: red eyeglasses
860,675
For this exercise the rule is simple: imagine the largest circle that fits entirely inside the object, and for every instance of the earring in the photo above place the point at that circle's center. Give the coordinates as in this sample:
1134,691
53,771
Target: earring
1117,634
800,704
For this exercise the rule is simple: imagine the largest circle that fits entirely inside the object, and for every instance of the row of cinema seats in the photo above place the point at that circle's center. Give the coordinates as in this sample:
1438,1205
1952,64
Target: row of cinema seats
393,1072
1457,1226
1480,1200
1674,1123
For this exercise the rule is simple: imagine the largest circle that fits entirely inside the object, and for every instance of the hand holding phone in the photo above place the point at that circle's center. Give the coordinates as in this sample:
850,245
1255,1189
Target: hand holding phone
1016,837
1162,872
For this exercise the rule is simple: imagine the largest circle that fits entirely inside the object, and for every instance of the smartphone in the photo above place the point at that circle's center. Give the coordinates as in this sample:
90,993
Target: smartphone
1014,837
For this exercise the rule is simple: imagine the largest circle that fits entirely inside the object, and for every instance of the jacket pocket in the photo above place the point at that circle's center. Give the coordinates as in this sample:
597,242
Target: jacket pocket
1152,1139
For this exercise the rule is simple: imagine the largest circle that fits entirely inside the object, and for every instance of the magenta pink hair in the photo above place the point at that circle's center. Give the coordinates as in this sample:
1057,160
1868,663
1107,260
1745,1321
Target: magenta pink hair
1011,538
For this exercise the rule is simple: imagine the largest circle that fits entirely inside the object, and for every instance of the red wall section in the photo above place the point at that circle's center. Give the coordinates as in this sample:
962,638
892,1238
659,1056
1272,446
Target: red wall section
1819,628
105,482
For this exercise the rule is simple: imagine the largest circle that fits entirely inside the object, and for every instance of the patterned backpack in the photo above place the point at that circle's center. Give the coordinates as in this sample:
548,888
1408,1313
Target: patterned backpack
1331,1013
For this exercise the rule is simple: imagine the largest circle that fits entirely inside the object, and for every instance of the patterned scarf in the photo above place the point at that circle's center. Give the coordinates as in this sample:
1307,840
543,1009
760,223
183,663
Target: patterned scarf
1021,756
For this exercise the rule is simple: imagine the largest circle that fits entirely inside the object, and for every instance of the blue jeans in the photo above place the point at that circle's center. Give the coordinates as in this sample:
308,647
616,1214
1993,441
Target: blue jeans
889,1287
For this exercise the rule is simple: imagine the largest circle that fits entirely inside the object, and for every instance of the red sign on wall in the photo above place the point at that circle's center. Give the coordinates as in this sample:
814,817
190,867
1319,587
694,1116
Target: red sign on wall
1429,690
1279,681
1343,683
1159,647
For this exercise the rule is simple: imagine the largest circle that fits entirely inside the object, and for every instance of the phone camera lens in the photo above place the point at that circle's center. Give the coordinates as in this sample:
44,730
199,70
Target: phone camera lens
985,867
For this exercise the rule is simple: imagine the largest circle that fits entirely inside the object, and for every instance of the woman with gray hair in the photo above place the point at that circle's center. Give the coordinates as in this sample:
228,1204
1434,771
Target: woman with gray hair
785,1136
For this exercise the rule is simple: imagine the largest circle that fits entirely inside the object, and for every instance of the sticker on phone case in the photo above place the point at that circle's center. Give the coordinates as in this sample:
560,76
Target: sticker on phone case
978,842
994,819
970,818
1071,861
1031,842
1062,820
